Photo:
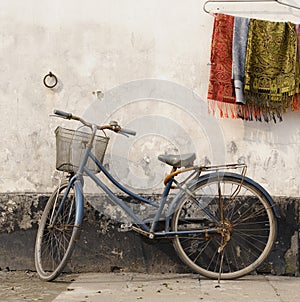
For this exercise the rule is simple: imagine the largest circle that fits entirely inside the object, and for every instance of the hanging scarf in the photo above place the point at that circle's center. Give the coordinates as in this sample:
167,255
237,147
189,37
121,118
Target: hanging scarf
220,88
270,67
296,103
240,39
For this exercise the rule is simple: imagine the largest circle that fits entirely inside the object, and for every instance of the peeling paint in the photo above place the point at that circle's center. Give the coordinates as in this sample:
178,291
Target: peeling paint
19,211
292,256
117,253
232,148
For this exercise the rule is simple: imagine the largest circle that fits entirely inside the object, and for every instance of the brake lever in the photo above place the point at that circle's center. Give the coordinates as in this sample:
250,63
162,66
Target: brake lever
117,128
121,132
55,115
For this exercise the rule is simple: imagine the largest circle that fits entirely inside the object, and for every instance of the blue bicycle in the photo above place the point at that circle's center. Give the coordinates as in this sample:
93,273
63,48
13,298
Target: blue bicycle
222,224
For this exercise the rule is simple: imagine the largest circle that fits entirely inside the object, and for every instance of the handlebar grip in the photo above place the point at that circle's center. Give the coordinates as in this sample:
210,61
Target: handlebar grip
63,114
128,131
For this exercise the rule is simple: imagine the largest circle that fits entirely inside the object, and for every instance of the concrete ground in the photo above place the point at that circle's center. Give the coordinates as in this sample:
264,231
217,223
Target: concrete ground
128,287
176,287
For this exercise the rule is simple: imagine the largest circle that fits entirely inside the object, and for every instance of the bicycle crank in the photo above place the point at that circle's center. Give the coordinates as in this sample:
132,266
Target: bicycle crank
142,232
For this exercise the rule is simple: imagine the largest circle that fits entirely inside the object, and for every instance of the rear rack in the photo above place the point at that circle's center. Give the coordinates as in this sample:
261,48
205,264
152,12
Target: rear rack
224,167
199,169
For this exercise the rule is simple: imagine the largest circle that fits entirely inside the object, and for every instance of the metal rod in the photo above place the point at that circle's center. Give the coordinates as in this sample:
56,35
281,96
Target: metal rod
221,266
287,4
249,1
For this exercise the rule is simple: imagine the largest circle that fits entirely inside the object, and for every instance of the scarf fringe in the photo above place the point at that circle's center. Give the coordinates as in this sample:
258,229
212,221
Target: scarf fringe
226,110
258,107
247,112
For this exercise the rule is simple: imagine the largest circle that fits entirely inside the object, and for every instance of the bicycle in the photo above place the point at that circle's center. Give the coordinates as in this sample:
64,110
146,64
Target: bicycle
222,224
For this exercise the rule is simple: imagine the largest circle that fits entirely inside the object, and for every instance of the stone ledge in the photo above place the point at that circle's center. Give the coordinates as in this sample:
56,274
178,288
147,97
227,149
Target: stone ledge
103,248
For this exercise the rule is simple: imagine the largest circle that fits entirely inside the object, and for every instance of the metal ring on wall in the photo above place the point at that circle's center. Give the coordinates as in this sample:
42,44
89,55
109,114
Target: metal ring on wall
53,80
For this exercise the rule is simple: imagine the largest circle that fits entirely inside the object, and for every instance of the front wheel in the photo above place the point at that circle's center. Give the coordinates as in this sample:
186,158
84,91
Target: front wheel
58,230
239,222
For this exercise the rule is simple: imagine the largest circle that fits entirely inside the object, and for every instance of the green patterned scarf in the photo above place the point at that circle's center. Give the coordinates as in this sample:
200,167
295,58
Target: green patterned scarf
296,104
270,68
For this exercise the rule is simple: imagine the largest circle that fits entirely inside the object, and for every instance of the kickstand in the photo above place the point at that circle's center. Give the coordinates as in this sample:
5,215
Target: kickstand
220,270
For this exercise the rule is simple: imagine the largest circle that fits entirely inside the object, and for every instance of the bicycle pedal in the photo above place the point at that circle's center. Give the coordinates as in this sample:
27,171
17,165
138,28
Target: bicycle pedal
125,227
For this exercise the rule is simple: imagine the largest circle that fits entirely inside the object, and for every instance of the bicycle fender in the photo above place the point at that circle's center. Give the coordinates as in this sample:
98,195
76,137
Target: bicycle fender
79,198
177,198
260,188
79,202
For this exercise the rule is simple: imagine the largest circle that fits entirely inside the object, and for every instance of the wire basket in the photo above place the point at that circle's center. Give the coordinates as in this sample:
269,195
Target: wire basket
70,146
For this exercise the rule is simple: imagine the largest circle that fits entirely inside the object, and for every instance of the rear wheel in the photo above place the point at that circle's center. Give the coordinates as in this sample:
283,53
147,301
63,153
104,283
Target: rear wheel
245,234
57,233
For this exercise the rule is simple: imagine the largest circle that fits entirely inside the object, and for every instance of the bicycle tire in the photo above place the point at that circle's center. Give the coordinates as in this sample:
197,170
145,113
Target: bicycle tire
248,217
55,242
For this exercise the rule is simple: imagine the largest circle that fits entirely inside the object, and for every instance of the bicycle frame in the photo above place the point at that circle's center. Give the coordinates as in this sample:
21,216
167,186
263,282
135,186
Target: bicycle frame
142,228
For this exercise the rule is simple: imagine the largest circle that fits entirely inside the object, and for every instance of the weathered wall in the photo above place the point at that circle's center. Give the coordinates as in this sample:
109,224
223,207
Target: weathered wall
103,247
117,47
151,61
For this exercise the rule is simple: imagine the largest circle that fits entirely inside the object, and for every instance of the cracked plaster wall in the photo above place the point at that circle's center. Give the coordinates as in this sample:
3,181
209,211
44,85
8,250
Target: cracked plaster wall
116,47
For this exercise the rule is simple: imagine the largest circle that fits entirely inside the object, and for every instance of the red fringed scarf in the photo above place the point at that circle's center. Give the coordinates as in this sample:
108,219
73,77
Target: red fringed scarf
220,89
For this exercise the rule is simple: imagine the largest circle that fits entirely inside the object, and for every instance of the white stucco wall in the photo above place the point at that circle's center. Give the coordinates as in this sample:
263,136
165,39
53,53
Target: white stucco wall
150,59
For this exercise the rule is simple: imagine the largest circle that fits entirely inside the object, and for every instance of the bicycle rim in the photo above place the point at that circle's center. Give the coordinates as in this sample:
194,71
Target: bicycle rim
56,234
248,221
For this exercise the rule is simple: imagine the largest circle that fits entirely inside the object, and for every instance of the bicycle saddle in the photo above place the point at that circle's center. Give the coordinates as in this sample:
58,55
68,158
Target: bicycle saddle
179,160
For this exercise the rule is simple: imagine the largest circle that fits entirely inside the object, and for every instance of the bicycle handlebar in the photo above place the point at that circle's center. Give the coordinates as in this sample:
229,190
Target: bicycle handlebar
113,126
63,114
128,131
